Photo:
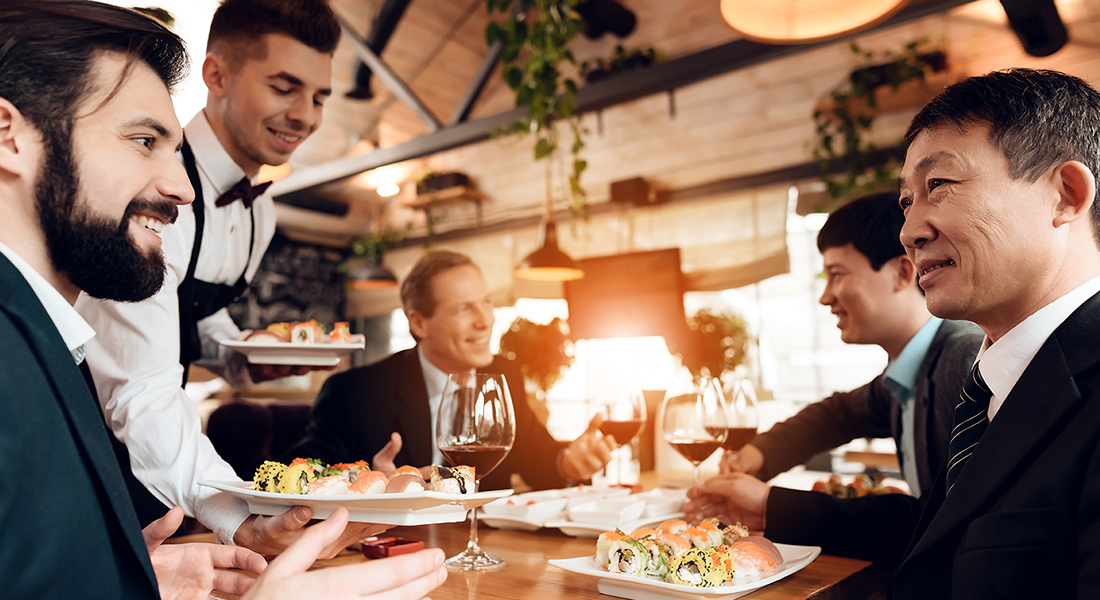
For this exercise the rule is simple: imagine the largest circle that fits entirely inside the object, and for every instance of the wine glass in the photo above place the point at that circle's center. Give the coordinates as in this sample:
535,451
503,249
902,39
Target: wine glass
622,405
693,418
476,426
742,420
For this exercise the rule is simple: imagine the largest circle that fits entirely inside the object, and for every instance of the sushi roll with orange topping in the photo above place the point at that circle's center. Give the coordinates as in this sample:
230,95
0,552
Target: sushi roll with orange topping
714,535
673,526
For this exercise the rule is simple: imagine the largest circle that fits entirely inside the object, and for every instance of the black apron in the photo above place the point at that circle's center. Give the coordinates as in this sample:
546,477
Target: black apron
203,299
200,299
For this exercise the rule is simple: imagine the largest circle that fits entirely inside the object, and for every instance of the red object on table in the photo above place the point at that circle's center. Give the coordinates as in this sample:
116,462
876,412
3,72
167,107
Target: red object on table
390,546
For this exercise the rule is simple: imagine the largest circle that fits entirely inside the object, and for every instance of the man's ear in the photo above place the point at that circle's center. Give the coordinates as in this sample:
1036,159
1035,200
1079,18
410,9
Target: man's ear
16,137
417,324
907,273
215,74
1076,187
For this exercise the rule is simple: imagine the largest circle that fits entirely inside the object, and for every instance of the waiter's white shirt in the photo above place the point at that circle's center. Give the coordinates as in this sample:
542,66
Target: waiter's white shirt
134,359
74,330
1003,362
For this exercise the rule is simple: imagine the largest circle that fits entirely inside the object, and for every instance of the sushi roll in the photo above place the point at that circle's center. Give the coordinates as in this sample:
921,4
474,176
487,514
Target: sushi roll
295,477
349,470
340,334
453,480
627,556
267,475
642,532
603,546
309,332
404,469
697,537
673,526
332,485
701,567
369,482
714,535
658,565
674,544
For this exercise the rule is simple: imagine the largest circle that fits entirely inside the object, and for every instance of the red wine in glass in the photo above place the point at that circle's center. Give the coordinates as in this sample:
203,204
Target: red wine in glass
737,437
482,458
623,431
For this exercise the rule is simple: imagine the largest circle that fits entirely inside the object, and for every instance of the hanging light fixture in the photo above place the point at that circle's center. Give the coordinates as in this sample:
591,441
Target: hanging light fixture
548,263
804,21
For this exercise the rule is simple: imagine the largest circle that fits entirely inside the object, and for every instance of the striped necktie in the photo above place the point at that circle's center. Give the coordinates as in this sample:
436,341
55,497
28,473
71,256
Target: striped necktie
968,425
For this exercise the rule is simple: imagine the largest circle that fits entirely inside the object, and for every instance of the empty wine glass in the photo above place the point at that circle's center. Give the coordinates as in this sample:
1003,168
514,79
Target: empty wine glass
693,418
476,426
743,419
622,405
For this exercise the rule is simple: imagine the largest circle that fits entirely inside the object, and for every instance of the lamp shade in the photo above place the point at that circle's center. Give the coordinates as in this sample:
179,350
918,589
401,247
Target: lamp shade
803,21
371,276
548,263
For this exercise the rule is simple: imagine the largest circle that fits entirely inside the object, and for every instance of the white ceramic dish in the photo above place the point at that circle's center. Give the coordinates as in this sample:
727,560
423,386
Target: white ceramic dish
409,508
608,512
644,588
534,506
516,523
586,530
286,353
661,501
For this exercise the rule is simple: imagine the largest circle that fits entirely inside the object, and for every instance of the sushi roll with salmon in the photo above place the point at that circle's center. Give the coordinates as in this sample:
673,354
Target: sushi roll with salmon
714,535
349,470
658,565
674,544
369,482
627,556
331,485
603,546
673,526
642,532
697,537
340,334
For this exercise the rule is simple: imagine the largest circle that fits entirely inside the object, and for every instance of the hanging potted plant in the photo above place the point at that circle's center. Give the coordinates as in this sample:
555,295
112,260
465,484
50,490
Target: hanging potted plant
715,343
851,165
534,55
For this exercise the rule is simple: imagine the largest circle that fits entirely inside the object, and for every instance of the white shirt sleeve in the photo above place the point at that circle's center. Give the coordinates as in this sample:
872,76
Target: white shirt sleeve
134,360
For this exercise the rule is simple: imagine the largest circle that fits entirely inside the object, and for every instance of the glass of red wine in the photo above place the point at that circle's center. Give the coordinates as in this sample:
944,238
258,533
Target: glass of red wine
693,418
743,420
622,405
476,426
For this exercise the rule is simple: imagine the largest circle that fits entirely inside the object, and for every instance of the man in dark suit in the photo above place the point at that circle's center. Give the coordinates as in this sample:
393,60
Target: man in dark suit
999,192
872,288
88,178
386,411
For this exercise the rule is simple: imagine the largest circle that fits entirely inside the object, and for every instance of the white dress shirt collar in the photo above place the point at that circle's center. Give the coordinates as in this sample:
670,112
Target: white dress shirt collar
74,330
214,163
1003,362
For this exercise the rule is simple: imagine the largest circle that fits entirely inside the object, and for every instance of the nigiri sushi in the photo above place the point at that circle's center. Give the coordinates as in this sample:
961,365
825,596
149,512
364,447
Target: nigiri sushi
750,561
332,485
370,482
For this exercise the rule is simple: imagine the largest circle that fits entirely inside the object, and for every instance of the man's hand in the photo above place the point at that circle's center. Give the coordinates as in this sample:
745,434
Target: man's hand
383,461
406,577
749,459
192,571
272,535
259,373
588,453
732,498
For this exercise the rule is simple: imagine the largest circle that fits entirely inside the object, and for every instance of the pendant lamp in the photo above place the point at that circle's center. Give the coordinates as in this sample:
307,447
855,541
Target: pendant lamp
548,263
804,21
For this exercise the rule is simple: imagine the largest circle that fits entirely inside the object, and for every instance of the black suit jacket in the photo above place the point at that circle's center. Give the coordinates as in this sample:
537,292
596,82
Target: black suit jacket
1023,520
871,411
357,410
66,501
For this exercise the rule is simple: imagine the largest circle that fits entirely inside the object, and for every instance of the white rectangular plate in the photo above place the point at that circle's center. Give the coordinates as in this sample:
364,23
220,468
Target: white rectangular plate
645,588
286,353
409,508
587,530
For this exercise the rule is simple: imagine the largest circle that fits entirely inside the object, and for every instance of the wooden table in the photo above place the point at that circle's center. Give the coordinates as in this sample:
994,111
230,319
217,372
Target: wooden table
527,575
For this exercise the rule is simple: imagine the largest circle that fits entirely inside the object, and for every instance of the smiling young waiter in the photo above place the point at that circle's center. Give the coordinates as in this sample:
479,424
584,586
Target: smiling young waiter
268,71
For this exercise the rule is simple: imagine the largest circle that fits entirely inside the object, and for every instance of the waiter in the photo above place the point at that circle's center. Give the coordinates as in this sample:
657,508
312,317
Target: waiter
268,71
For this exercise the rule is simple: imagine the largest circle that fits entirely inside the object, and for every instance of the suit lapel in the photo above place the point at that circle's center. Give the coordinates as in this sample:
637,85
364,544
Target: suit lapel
75,400
413,414
1039,401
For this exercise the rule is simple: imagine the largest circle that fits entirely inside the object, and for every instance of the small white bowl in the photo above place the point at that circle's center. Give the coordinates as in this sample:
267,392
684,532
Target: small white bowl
608,513
661,502
526,506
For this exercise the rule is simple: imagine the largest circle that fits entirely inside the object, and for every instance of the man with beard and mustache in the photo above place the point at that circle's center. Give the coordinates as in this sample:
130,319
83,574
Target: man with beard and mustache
88,180
268,71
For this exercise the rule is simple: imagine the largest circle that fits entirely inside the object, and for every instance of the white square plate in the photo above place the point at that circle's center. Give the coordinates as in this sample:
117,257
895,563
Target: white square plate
645,588
408,508
286,353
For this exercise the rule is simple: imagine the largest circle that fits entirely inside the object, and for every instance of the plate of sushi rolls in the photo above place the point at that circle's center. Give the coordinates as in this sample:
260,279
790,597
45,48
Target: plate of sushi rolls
400,497
680,560
307,343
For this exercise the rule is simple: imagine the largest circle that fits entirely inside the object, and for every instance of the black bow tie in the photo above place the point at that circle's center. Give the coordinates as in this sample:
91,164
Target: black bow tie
244,191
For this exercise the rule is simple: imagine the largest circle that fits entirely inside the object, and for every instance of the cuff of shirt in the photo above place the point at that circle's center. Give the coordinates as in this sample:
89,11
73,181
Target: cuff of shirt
224,513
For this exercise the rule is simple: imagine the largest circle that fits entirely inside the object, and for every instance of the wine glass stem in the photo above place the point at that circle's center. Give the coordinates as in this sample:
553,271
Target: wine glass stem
695,469
472,547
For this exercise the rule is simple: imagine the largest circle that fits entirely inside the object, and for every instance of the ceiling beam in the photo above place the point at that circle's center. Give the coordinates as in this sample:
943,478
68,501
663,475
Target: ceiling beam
624,87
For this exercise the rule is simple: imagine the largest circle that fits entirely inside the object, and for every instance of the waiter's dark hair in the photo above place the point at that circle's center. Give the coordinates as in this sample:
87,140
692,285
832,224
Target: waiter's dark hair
1037,119
871,224
238,26
48,48
416,289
